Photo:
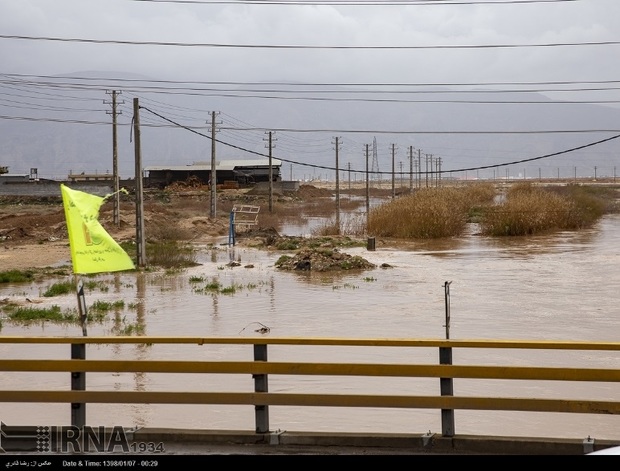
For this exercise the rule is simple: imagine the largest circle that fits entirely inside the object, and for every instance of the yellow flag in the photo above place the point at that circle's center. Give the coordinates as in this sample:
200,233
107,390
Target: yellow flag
93,250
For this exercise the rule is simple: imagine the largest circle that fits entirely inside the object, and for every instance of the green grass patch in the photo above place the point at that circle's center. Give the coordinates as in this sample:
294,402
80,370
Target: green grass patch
52,313
59,289
105,306
16,276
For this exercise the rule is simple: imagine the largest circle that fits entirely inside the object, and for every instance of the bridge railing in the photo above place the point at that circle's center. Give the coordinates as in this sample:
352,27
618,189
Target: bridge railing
260,369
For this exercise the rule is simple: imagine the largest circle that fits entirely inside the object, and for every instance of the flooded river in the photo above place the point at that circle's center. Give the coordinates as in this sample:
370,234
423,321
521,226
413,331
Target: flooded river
555,287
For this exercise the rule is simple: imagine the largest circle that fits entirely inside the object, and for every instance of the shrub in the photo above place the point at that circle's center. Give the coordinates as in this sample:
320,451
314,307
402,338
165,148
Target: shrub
590,203
529,210
426,214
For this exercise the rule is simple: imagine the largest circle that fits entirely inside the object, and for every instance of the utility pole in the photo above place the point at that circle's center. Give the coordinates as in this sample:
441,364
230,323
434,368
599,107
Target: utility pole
337,144
349,174
410,169
115,176
271,146
367,188
213,181
393,171
419,168
140,240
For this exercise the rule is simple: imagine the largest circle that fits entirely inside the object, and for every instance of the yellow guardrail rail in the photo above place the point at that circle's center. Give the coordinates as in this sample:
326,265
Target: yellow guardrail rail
260,369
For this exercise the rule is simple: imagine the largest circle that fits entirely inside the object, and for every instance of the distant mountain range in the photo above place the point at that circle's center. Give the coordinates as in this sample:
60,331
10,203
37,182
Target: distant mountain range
56,132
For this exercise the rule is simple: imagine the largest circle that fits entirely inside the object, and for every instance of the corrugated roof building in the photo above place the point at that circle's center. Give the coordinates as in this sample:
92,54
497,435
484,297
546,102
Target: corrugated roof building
239,171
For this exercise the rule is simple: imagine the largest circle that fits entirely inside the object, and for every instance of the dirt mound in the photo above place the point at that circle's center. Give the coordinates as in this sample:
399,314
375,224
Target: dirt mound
310,191
323,259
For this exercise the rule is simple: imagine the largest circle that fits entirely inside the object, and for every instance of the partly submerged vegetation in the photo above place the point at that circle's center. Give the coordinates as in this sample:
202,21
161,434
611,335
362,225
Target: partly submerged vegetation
28,314
26,311
428,213
530,210
171,254
524,209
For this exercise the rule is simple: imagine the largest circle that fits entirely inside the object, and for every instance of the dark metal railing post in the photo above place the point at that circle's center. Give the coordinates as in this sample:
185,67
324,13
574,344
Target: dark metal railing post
78,383
261,412
78,352
446,385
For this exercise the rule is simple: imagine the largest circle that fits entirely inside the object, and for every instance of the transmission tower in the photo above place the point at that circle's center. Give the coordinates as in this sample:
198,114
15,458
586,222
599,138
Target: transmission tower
374,169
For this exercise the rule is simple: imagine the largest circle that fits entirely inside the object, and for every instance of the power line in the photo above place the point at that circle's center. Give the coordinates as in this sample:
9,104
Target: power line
353,2
296,84
282,94
503,164
322,130
304,46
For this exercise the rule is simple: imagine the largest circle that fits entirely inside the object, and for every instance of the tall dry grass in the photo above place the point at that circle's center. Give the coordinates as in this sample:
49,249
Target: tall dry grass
529,210
526,209
428,213
436,212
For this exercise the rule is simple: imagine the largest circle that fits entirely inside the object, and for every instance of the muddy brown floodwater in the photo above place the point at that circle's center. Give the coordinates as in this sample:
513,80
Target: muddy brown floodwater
563,286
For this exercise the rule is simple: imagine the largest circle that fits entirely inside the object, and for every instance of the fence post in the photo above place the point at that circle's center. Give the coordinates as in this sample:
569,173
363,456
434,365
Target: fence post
78,383
446,385
261,412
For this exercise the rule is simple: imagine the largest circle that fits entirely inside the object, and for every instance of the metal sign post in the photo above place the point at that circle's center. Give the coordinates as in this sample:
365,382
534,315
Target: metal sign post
78,352
446,385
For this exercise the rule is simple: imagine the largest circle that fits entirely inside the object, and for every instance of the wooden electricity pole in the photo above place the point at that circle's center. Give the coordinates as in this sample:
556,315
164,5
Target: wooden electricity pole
213,181
367,187
117,200
337,144
410,169
393,171
271,145
140,240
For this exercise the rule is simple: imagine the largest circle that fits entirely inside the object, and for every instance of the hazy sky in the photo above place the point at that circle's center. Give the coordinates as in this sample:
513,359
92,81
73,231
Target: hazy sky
421,29
566,49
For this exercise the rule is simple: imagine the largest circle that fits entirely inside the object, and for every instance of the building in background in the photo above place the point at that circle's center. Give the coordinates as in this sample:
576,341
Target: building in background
239,172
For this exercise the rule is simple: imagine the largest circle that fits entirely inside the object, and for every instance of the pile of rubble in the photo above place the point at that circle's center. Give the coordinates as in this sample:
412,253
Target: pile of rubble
322,259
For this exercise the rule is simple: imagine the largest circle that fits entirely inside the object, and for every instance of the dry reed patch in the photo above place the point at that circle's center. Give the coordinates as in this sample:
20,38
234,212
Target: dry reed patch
529,210
426,214
479,193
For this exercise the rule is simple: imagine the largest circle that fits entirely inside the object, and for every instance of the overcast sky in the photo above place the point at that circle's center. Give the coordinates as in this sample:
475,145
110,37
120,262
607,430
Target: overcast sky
493,43
423,25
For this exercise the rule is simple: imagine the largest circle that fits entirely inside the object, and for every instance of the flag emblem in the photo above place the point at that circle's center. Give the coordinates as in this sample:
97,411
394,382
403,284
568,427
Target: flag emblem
93,250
